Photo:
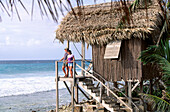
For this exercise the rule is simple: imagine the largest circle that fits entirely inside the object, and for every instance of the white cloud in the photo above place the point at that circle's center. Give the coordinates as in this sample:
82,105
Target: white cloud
22,40
7,40
2,29
33,42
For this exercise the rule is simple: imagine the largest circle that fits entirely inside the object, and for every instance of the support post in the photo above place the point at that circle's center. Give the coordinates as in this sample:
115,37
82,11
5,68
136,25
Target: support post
72,87
72,96
126,88
108,94
130,93
151,86
101,88
116,86
76,93
83,57
57,102
141,91
68,44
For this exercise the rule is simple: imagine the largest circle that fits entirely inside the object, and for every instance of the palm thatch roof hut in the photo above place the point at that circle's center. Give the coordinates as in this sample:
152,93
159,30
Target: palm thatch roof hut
100,24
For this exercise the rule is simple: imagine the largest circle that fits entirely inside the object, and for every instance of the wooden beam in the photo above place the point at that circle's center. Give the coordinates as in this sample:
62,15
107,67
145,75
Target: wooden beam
57,98
141,91
68,44
135,86
76,93
72,87
101,88
72,96
83,56
83,93
65,79
126,88
151,86
109,88
130,93
67,87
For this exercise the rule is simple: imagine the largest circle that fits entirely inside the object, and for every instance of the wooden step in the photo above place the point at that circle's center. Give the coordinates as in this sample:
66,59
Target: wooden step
109,101
105,97
88,84
96,90
115,104
98,94
87,79
90,87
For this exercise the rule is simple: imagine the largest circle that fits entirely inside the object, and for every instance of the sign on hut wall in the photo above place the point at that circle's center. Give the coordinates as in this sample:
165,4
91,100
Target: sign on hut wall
112,50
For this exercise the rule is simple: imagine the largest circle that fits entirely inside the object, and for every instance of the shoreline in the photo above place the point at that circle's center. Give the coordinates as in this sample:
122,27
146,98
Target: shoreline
35,102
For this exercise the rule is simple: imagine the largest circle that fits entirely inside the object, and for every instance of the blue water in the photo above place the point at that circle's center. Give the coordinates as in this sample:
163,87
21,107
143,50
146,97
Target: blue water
26,77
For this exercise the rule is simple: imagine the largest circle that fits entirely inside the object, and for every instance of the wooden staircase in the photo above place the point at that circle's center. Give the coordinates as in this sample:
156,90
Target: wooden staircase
101,93
112,104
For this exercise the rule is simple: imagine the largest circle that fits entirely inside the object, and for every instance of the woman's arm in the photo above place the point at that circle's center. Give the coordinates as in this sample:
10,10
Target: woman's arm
73,59
61,59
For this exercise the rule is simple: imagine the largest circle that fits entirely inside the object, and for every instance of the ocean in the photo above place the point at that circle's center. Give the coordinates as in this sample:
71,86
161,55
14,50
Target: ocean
24,85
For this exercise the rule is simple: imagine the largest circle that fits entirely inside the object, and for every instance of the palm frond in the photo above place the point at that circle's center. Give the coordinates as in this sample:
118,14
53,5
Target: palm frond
164,28
134,5
160,104
158,55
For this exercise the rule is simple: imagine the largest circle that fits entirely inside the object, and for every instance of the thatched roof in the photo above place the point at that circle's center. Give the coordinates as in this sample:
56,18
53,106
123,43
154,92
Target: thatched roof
98,25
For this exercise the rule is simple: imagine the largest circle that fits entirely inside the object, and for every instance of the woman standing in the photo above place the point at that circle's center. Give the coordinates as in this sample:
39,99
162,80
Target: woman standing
70,59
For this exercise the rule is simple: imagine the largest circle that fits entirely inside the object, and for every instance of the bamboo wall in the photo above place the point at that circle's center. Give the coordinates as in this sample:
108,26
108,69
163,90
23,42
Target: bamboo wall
127,66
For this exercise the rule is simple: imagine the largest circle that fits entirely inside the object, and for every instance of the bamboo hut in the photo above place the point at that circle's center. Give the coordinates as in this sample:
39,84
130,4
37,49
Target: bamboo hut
101,25
98,27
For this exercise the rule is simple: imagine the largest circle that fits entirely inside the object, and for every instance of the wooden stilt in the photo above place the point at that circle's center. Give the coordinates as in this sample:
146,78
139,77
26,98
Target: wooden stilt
108,93
83,56
101,88
141,91
130,93
151,86
126,88
57,98
72,96
76,93
72,87
116,86
68,44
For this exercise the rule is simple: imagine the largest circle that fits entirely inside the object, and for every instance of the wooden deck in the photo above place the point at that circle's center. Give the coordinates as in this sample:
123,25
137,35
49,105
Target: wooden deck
100,93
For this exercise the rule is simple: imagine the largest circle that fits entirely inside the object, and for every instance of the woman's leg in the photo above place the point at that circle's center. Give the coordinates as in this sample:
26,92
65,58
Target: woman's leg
70,70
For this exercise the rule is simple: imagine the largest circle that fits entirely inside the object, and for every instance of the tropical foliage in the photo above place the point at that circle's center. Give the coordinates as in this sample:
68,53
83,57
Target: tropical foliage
160,56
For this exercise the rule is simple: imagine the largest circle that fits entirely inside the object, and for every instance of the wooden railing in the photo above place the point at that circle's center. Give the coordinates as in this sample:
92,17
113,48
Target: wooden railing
73,80
92,76
108,89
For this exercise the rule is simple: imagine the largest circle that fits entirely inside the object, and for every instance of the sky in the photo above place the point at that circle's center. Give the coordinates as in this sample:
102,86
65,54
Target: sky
33,39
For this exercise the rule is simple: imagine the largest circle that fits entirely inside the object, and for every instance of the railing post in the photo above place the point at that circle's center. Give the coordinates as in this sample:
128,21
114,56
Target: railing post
76,83
57,102
72,87
83,57
74,72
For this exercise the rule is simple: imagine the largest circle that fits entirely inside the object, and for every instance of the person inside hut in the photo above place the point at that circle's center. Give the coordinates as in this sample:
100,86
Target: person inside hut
65,65
70,59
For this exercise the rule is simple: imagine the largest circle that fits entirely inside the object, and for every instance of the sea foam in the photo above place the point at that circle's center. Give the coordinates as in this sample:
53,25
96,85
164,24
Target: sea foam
27,85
